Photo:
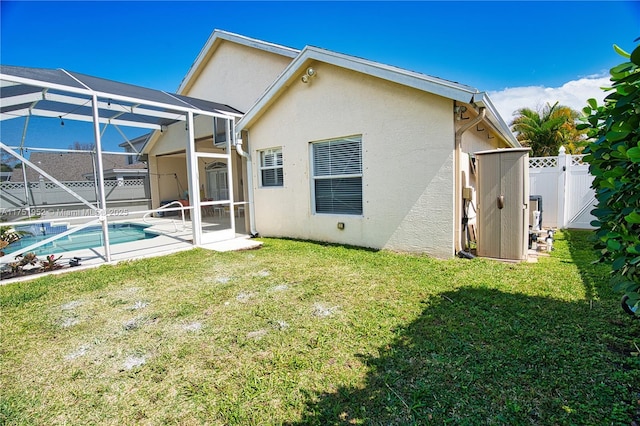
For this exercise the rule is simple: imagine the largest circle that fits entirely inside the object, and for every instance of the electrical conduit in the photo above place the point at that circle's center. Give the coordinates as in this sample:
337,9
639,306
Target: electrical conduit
458,177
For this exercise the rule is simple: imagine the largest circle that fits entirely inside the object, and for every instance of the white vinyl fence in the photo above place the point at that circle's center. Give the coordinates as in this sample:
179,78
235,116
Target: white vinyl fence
46,194
564,183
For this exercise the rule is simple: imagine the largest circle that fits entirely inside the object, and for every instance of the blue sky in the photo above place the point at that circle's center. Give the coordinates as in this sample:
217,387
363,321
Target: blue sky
522,53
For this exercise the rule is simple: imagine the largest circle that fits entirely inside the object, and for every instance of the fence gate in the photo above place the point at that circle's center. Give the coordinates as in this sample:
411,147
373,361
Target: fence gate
564,183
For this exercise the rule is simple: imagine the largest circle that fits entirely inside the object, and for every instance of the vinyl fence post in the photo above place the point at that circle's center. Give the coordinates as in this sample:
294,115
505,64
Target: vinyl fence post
563,164
42,189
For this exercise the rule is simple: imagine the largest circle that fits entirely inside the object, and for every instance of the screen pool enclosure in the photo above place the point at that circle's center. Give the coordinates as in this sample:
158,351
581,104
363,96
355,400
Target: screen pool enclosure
59,96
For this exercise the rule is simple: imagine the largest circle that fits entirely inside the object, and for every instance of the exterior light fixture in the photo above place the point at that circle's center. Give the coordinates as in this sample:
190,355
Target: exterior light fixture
459,110
310,72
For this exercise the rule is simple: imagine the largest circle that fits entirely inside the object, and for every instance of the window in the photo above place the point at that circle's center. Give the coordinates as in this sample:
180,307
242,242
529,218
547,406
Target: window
271,167
337,176
220,132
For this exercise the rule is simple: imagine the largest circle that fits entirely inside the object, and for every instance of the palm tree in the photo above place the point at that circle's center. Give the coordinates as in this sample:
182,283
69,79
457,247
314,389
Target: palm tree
547,130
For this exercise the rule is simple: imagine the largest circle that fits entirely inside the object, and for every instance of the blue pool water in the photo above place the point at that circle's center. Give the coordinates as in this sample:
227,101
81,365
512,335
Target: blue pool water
90,237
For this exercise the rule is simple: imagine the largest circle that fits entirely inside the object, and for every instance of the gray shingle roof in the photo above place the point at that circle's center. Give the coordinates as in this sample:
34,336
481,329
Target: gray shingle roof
70,166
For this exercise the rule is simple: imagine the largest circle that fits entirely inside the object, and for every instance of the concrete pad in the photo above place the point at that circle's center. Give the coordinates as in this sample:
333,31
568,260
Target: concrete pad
237,244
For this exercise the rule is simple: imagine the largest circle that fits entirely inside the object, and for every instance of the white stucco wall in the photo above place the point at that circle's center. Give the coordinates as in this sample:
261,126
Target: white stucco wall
237,75
163,181
234,75
407,143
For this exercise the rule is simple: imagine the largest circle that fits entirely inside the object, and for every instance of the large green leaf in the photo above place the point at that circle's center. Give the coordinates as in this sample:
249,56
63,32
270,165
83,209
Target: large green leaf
620,51
633,217
634,154
619,263
635,56
613,245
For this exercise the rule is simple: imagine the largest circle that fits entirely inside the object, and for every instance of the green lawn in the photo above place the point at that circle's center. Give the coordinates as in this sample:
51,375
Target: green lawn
303,333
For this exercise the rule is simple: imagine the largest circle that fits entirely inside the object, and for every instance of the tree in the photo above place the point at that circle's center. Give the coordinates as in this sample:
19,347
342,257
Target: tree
82,146
5,167
547,130
614,161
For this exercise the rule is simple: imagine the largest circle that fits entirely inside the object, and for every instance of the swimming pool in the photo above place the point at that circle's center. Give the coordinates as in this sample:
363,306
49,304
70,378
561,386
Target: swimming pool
90,237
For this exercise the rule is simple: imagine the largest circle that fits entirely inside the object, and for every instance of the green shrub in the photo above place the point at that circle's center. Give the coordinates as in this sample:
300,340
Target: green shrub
614,161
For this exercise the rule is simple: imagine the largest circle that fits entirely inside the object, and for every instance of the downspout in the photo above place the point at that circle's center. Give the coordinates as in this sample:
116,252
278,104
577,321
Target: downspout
458,177
252,220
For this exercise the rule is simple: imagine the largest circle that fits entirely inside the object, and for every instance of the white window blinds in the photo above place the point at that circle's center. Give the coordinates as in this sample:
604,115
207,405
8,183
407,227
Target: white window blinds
337,175
271,167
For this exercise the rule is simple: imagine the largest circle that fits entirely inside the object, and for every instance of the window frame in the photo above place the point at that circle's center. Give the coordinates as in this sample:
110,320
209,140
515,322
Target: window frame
314,176
262,167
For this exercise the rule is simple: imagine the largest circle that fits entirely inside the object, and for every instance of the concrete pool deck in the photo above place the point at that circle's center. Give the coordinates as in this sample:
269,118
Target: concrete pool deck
171,237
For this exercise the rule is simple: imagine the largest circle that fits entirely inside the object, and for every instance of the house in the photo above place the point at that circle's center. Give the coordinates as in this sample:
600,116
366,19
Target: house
75,166
135,146
333,147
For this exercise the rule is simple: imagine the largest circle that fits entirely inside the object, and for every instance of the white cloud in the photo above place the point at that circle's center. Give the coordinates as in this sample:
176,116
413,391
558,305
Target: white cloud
573,94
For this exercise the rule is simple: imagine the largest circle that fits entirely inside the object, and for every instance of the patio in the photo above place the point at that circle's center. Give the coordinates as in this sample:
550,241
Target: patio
171,235
60,96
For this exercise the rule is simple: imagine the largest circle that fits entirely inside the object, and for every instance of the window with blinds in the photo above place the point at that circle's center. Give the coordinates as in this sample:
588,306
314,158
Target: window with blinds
271,167
337,176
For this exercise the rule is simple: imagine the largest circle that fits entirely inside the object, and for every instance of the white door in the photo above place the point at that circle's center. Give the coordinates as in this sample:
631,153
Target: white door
217,222
217,181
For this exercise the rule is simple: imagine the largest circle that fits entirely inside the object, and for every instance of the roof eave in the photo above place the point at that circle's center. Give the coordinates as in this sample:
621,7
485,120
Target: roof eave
494,117
418,81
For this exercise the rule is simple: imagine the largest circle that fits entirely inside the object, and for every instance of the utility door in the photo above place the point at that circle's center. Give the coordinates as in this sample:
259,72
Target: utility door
503,203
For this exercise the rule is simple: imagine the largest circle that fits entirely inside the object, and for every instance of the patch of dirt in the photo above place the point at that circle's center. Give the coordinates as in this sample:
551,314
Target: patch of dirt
69,322
281,325
244,297
133,324
194,326
133,362
71,305
323,311
281,287
81,351
138,305
257,335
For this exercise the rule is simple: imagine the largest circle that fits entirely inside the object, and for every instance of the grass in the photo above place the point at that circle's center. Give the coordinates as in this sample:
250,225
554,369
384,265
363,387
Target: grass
303,333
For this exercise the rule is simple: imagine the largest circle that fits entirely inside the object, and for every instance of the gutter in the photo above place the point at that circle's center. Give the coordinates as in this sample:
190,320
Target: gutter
458,177
252,220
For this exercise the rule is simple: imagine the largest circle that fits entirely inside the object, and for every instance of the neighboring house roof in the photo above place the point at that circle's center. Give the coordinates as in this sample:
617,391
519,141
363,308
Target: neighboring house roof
437,86
217,37
70,166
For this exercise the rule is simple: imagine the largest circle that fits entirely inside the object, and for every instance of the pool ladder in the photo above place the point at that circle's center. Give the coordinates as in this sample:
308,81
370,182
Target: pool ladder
166,206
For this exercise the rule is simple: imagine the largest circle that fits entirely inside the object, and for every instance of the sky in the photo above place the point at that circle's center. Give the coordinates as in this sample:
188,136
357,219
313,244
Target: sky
524,54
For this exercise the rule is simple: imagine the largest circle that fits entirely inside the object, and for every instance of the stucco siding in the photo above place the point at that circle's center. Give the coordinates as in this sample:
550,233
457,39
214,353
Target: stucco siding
407,144
170,179
237,75
234,75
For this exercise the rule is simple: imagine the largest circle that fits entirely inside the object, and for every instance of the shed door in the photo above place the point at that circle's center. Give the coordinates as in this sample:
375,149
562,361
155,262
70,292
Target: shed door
503,205
513,213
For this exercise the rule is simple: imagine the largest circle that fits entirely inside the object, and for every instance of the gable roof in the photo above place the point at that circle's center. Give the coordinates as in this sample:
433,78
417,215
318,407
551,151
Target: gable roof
214,41
426,83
